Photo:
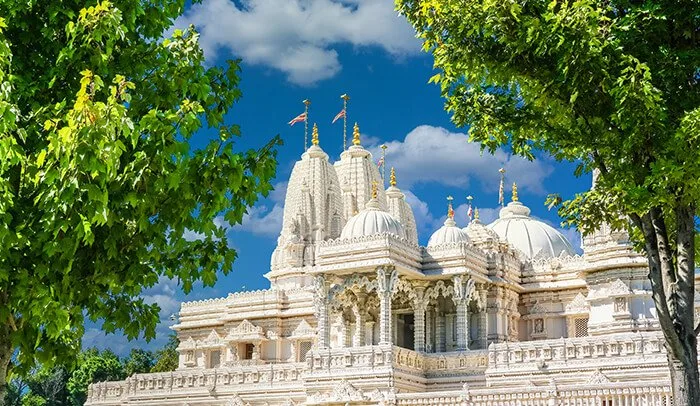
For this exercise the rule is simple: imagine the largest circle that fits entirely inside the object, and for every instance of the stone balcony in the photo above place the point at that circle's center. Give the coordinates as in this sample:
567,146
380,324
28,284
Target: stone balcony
209,384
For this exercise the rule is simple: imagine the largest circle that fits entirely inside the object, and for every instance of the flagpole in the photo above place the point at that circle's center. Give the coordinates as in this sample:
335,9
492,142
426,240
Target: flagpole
501,191
383,147
306,102
469,199
345,98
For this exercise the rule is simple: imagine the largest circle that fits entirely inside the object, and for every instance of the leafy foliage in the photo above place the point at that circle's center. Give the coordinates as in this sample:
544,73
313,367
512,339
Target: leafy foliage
167,358
99,181
93,366
139,362
612,85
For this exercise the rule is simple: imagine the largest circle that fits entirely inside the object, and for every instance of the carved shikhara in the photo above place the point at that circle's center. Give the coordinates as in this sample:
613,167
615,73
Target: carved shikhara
380,320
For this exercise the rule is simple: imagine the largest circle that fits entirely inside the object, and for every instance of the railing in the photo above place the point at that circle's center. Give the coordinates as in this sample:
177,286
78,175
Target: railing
194,380
467,362
609,394
534,354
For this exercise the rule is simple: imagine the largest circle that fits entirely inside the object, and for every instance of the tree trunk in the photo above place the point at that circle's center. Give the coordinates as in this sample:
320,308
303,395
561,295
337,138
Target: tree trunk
5,355
671,273
685,382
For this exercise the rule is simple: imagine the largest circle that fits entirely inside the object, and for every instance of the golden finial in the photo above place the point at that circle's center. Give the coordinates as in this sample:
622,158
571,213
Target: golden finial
356,134
374,189
476,214
450,211
515,192
314,135
392,177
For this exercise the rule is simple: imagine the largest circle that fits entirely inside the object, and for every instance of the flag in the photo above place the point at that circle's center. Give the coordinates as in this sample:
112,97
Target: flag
380,162
339,116
470,212
298,119
500,193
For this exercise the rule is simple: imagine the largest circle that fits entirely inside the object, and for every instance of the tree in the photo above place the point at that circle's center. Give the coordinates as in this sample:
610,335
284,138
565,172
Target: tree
99,184
13,394
50,385
138,362
167,358
93,366
612,85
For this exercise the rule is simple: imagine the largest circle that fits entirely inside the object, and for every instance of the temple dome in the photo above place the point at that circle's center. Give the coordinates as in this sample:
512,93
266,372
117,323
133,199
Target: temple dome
372,220
478,232
448,233
533,237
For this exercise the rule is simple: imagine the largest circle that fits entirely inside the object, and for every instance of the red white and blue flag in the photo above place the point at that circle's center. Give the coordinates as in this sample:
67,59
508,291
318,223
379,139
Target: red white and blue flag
298,119
470,212
339,116
380,162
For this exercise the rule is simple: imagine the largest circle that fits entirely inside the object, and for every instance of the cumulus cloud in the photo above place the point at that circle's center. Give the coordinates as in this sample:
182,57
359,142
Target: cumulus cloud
262,220
434,155
163,294
297,37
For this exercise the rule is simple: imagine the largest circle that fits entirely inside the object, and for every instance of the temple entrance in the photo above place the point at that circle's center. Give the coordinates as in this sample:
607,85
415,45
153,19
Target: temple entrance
405,326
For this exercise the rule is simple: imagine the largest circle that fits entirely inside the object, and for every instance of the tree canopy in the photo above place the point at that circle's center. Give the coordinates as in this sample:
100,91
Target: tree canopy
612,85
99,180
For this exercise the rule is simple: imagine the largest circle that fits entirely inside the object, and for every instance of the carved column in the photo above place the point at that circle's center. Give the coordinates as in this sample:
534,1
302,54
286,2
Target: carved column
429,329
483,317
419,320
386,281
359,312
321,308
440,338
463,288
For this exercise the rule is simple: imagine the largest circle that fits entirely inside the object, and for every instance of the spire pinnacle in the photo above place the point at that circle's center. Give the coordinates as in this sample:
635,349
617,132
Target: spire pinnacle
476,214
374,189
450,211
356,134
515,192
314,135
392,177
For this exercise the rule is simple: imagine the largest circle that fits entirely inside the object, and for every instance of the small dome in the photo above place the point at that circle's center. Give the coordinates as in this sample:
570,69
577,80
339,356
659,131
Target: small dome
535,238
478,232
372,221
448,233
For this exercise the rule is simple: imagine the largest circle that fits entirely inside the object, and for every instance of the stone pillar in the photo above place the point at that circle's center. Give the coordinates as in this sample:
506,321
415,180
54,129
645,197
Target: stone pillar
440,338
483,318
463,288
292,351
256,351
369,332
359,336
321,308
419,306
386,281
429,330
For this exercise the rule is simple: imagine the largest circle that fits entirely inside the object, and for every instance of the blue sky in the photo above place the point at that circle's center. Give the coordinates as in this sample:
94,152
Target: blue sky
319,49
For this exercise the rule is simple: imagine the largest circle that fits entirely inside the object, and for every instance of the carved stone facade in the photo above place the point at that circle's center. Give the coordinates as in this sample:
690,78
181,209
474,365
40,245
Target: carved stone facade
367,316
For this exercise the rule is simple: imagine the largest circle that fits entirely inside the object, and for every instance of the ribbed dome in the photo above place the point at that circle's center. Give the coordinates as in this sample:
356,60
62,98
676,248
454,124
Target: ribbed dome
448,233
478,232
535,238
372,221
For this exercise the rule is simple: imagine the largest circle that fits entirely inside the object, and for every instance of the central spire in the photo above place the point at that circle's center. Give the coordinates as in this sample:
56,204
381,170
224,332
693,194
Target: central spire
392,177
314,135
356,134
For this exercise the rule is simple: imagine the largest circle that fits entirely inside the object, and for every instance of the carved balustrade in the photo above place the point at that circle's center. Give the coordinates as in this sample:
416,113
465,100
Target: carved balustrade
535,354
610,394
188,381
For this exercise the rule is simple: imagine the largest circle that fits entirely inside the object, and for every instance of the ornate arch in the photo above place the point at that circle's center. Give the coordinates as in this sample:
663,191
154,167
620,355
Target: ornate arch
354,280
437,290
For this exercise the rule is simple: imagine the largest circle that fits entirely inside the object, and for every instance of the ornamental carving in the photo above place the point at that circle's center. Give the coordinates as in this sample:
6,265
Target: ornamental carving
236,401
579,305
618,288
344,391
245,331
212,340
597,378
303,330
463,287
387,277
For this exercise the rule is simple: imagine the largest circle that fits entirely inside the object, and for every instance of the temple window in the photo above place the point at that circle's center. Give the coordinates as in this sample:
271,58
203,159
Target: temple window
214,358
581,327
248,353
304,348
539,326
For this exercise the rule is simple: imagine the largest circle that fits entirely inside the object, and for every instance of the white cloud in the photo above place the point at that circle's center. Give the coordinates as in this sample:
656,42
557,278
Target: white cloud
190,235
434,155
297,37
262,221
163,294
425,221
